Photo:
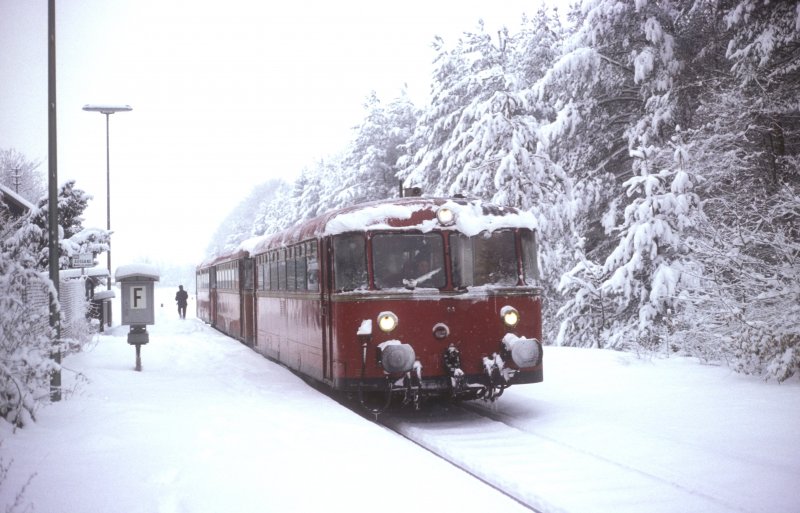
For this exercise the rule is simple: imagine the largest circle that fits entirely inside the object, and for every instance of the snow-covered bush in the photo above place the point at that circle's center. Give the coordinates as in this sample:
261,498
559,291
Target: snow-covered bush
760,350
25,341
26,297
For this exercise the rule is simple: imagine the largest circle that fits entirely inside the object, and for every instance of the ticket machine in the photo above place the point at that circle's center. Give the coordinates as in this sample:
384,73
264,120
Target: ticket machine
137,282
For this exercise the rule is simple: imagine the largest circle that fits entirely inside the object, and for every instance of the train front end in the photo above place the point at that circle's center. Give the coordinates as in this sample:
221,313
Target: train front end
446,306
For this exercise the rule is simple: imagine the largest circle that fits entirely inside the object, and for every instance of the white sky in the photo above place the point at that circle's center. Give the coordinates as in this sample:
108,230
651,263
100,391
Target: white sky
226,95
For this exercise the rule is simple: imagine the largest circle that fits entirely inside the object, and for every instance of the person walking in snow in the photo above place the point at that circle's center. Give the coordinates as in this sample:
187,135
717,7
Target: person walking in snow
180,297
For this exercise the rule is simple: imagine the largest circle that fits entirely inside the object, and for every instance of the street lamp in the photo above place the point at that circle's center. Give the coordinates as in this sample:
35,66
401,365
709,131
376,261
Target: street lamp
108,110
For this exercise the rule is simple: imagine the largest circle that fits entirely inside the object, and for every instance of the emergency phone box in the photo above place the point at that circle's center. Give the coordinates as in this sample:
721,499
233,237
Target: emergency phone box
137,282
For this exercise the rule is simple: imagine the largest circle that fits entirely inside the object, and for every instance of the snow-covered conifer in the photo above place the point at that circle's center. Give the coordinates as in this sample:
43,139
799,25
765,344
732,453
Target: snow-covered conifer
25,338
370,163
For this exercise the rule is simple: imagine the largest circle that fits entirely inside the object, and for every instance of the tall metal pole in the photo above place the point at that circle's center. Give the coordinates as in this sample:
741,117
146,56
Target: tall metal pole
17,176
52,210
108,201
108,110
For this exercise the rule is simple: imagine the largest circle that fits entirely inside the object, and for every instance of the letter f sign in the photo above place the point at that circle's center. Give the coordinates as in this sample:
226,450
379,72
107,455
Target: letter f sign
138,298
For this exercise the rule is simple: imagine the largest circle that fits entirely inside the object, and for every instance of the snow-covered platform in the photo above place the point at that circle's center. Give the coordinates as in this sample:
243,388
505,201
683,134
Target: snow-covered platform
211,426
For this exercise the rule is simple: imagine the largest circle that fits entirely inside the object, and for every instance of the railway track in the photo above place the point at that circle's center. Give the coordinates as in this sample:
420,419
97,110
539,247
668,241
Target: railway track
543,474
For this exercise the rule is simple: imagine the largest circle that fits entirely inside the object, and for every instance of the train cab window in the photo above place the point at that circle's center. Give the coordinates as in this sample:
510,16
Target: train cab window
530,261
408,260
485,259
350,263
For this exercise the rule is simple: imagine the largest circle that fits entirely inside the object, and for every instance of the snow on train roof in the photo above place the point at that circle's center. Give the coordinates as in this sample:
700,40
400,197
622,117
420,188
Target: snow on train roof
472,217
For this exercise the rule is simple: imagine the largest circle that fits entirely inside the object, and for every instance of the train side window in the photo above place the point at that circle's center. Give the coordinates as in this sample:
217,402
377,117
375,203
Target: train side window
263,272
273,272
297,262
202,280
281,270
301,268
248,278
312,270
530,260
291,274
350,262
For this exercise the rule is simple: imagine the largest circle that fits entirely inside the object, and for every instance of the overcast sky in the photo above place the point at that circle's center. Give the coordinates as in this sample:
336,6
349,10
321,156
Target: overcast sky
225,95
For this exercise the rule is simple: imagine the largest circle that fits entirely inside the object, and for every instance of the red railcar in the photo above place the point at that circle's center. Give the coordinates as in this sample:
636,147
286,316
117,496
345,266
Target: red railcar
397,299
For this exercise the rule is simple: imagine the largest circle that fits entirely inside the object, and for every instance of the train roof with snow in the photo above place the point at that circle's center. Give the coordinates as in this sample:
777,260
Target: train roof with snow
469,216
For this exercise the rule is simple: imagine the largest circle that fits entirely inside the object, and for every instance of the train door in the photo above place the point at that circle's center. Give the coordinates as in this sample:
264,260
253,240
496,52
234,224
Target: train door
326,289
247,305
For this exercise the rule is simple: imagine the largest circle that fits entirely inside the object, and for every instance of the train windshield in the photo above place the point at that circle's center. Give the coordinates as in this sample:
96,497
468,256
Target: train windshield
408,260
485,259
349,261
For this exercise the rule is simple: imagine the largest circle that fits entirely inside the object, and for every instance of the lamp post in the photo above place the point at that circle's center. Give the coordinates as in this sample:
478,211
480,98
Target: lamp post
108,110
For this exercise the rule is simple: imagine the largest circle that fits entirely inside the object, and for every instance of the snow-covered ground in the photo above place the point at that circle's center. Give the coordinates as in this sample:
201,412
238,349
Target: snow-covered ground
211,426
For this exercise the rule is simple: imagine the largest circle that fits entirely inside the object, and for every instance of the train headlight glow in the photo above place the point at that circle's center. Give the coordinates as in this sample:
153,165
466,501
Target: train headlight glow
387,321
510,316
445,216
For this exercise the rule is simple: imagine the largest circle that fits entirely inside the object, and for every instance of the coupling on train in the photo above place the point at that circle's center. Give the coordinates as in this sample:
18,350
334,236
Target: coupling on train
390,301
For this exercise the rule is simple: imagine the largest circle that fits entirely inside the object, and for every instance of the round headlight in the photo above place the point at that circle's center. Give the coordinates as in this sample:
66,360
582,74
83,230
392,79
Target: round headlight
387,321
445,216
510,316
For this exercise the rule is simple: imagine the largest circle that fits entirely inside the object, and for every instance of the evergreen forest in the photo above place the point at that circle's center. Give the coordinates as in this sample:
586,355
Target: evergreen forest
655,141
